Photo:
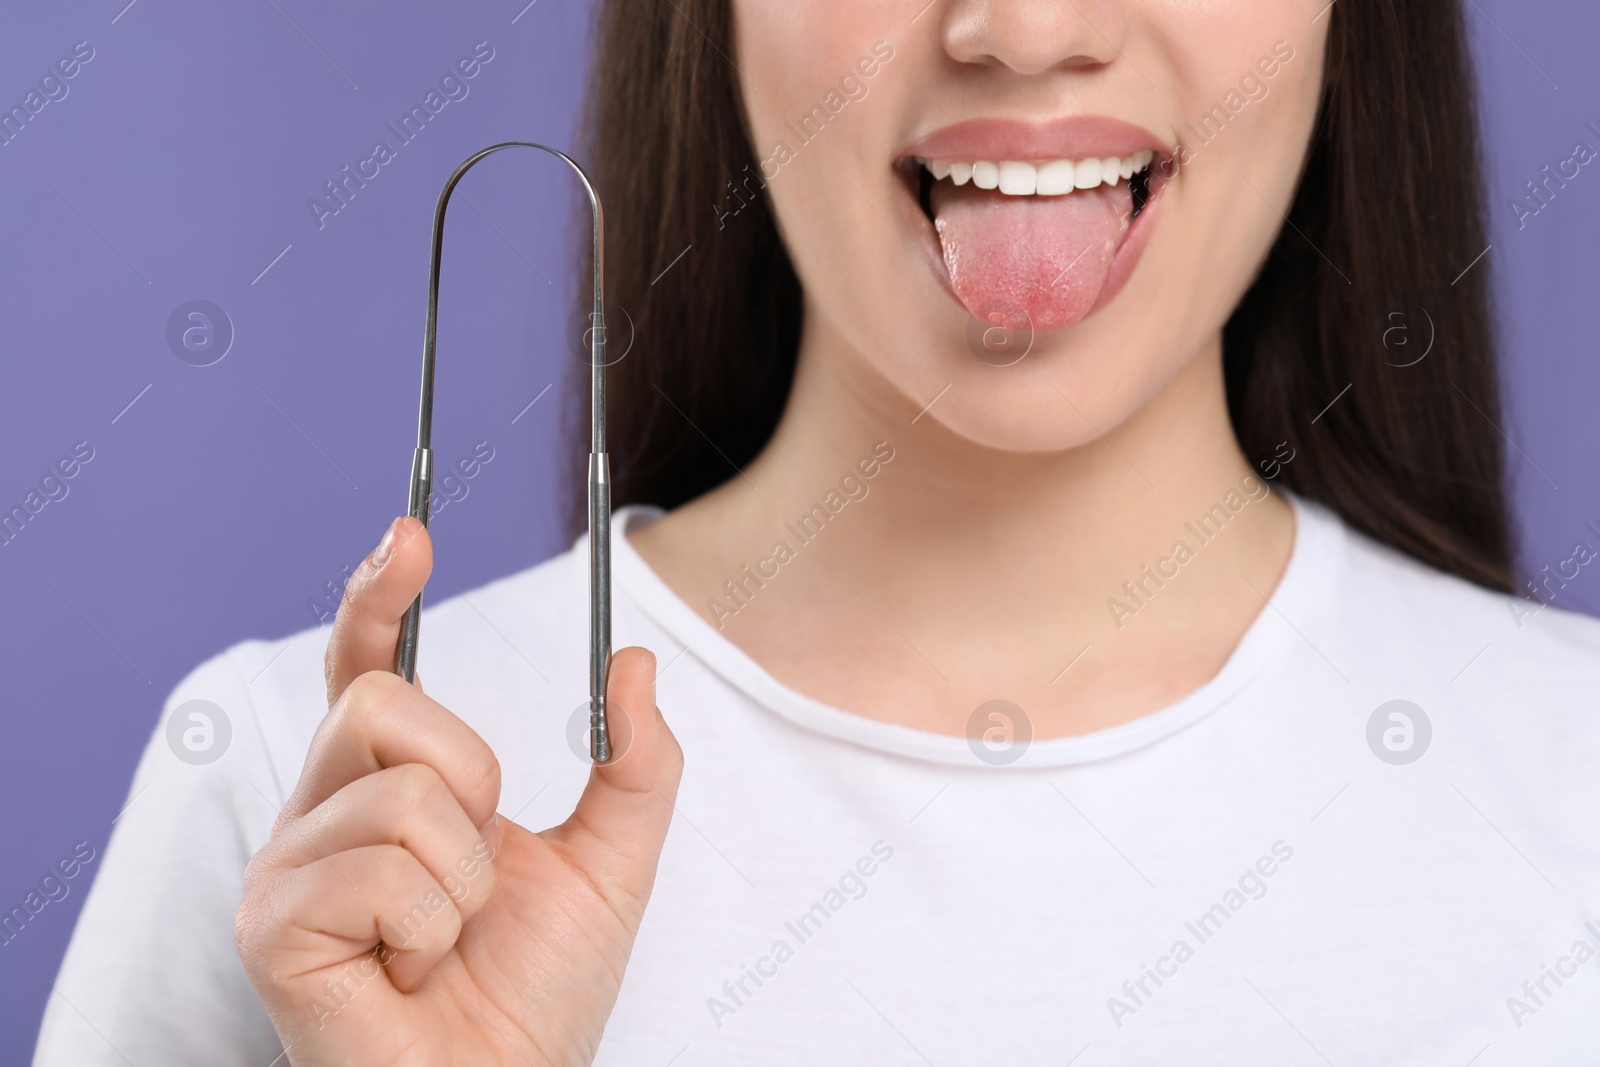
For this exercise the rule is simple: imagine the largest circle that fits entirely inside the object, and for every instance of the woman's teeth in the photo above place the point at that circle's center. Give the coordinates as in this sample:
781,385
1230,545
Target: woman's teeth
1055,178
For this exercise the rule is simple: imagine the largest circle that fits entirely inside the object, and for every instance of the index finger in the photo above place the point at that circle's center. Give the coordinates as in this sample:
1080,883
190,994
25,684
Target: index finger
367,627
381,722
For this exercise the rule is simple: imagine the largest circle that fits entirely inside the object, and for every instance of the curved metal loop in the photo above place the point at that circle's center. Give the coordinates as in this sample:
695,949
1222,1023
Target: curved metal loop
599,466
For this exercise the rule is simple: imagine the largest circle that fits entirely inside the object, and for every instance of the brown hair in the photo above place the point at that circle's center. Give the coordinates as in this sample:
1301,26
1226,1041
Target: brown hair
1388,214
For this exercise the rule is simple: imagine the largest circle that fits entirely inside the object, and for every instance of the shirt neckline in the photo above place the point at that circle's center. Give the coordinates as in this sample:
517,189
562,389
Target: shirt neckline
1319,544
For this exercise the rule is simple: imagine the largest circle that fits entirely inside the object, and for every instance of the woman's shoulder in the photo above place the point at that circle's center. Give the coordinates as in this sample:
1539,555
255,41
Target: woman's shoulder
1400,609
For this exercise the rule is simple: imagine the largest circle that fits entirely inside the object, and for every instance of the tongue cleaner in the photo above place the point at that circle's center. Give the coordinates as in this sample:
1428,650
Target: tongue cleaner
1043,257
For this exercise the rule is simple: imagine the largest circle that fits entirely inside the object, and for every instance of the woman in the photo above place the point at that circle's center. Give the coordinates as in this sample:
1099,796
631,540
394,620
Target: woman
1084,604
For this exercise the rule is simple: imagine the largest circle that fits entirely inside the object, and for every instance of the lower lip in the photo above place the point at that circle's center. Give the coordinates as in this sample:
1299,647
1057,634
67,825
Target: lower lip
1122,265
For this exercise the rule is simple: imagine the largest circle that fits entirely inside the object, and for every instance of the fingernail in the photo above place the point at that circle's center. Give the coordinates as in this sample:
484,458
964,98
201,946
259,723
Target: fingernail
488,828
385,549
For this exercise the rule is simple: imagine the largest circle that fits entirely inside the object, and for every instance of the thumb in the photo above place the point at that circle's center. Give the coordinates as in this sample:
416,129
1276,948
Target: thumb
617,830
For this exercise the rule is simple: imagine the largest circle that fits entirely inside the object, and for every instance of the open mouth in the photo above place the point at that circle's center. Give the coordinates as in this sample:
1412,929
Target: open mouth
1034,243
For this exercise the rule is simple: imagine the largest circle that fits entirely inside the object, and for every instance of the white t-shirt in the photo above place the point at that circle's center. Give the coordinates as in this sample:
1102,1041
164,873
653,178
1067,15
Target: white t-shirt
1253,875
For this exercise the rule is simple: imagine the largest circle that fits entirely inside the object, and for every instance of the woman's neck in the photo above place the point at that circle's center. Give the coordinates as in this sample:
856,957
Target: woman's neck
876,561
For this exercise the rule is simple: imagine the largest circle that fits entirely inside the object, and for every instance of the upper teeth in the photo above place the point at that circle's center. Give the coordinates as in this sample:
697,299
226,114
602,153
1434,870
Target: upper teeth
1046,179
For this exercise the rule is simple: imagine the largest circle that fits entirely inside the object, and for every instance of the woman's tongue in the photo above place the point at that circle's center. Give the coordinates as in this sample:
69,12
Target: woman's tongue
1045,256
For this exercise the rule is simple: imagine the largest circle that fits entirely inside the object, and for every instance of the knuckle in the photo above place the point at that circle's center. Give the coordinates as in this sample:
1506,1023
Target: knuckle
446,924
413,787
481,770
253,870
355,589
427,922
252,939
360,578
343,619
472,878
246,927
367,698
417,914
397,872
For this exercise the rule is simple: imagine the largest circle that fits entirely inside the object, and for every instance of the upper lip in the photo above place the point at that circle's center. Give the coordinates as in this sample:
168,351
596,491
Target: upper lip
1035,141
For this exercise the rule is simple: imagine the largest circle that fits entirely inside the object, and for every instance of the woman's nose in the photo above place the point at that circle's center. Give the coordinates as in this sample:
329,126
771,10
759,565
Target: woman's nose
1033,36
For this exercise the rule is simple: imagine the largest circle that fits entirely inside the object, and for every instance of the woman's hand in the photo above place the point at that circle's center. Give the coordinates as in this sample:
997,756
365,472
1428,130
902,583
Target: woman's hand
394,918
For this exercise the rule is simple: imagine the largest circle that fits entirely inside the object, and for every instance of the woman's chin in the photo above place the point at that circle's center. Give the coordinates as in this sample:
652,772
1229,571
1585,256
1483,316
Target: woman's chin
1025,414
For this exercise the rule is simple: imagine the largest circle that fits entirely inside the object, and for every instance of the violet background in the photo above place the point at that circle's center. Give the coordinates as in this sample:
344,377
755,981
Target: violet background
179,167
